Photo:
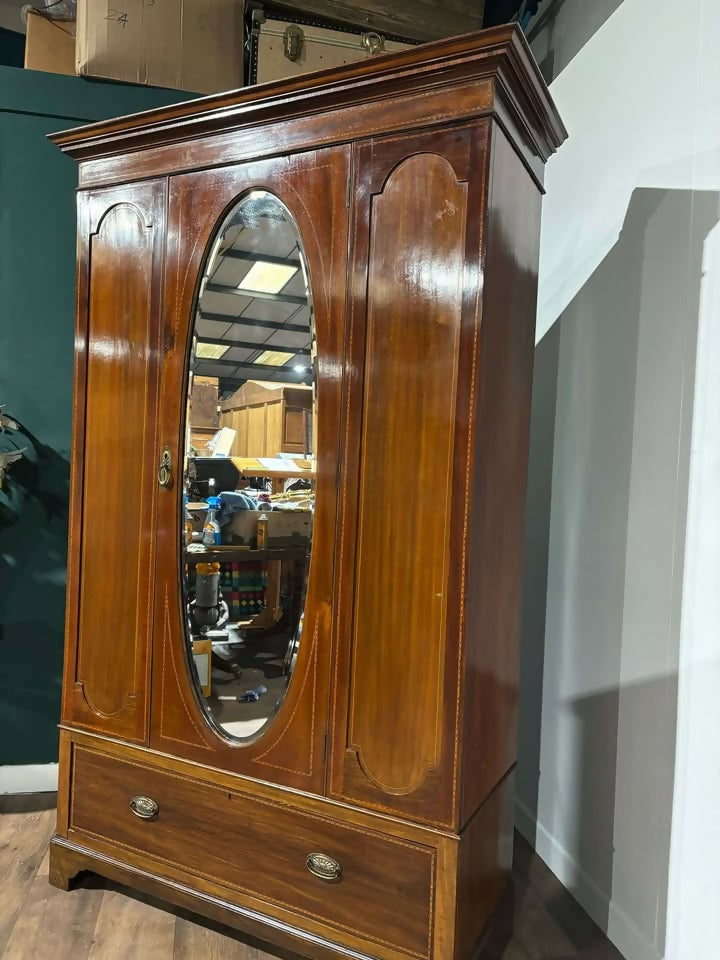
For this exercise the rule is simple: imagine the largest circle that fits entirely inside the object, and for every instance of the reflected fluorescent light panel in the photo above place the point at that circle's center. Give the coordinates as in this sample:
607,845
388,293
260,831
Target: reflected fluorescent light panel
210,351
267,277
274,358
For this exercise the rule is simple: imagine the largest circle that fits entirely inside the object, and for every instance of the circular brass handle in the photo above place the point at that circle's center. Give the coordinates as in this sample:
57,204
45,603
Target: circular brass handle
373,42
144,807
323,866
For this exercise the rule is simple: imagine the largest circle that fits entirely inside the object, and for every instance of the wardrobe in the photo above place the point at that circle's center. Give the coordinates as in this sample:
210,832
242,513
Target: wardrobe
331,769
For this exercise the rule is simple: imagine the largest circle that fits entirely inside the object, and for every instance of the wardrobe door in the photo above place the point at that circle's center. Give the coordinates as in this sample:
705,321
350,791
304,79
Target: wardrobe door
256,278
111,535
404,488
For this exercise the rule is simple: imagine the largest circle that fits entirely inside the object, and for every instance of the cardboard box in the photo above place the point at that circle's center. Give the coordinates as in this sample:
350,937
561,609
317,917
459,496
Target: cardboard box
193,45
202,655
285,528
50,44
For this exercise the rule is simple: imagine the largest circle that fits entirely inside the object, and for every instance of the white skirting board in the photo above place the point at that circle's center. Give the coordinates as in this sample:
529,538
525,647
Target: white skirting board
29,778
610,917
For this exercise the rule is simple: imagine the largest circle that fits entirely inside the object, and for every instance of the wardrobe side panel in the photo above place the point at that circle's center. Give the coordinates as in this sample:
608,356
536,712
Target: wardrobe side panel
501,428
115,459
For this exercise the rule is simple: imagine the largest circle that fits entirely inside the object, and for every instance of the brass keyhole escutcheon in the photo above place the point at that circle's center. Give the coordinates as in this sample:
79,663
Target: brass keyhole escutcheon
323,866
144,807
165,469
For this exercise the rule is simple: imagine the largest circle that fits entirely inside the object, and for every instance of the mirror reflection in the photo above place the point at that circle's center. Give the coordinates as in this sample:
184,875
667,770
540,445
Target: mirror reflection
249,469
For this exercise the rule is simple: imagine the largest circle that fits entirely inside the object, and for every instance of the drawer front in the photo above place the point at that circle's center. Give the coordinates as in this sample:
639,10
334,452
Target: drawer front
260,848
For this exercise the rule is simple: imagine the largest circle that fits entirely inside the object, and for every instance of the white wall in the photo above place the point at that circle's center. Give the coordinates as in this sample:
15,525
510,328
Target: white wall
694,895
640,103
562,27
616,687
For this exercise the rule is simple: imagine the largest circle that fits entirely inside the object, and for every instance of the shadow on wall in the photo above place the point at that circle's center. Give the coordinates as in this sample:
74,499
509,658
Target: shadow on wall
607,502
562,28
33,546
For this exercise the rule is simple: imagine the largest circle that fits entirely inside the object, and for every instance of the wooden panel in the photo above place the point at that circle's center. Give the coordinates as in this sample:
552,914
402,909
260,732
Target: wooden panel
196,820
313,186
294,430
374,821
484,864
413,327
499,478
240,424
257,431
237,420
119,334
395,724
468,100
273,429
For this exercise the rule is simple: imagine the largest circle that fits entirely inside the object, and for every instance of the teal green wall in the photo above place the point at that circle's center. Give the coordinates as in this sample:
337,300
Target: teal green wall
37,296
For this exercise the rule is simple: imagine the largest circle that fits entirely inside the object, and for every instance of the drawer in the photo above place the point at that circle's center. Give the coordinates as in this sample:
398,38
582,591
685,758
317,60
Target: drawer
384,893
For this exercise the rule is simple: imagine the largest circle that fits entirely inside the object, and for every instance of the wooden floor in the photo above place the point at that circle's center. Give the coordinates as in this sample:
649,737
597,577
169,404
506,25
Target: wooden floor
101,921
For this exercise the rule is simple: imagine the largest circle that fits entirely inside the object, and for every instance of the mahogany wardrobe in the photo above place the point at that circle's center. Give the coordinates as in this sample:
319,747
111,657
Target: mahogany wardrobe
293,708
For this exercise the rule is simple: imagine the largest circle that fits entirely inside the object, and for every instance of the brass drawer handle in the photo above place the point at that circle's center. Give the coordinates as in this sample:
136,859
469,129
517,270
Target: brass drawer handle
324,867
144,807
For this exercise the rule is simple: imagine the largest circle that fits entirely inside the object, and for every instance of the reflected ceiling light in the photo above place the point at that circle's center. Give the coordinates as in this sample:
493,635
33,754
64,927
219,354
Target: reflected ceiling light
267,277
210,351
299,368
274,358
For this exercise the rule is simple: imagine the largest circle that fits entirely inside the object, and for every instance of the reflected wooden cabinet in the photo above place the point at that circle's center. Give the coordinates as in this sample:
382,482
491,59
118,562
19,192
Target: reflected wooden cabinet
359,248
268,418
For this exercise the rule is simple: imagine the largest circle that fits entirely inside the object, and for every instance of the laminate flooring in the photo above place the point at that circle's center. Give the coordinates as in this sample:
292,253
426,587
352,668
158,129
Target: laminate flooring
102,921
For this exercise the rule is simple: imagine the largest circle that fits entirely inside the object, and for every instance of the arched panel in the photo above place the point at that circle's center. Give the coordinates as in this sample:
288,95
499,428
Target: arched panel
396,684
414,307
121,340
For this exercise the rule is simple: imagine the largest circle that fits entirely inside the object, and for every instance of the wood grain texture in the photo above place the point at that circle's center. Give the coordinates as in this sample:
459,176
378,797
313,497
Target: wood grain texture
549,923
405,111
126,926
371,820
415,184
195,821
193,941
397,667
51,925
46,909
313,186
119,337
413,321
499,476
23,841
483,879
499,56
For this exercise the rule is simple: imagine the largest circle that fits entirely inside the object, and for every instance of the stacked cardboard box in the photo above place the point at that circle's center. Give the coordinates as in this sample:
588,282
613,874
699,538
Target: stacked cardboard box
193,45
50,44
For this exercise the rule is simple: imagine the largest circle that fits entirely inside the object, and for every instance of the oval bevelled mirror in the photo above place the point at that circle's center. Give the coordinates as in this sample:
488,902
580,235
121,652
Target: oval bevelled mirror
249,468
